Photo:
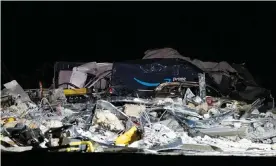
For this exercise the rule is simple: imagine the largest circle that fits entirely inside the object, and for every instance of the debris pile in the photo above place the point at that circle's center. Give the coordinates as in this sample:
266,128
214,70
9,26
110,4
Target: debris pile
103,108
194,124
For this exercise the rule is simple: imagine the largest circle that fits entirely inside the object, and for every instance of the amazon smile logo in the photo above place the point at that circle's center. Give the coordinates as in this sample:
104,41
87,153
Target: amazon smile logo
151,84
156,84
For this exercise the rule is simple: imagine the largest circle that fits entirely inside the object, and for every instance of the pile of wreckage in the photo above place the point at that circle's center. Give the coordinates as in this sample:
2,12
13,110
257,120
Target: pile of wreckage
181,107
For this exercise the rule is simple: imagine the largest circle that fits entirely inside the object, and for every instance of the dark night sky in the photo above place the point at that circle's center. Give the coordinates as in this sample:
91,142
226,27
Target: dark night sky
37,34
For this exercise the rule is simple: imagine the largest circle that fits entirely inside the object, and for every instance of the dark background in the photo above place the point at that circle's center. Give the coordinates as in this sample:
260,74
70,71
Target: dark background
107,159
36,34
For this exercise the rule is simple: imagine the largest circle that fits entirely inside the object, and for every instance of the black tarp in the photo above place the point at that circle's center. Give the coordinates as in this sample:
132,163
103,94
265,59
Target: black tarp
245,74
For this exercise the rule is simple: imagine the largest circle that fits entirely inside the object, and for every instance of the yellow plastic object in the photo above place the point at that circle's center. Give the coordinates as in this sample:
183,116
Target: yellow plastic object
80,91
8,120
90,147
128,137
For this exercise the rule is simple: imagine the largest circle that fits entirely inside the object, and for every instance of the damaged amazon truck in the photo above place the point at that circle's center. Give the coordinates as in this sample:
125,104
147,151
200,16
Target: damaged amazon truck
143,78
140,78
136,78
